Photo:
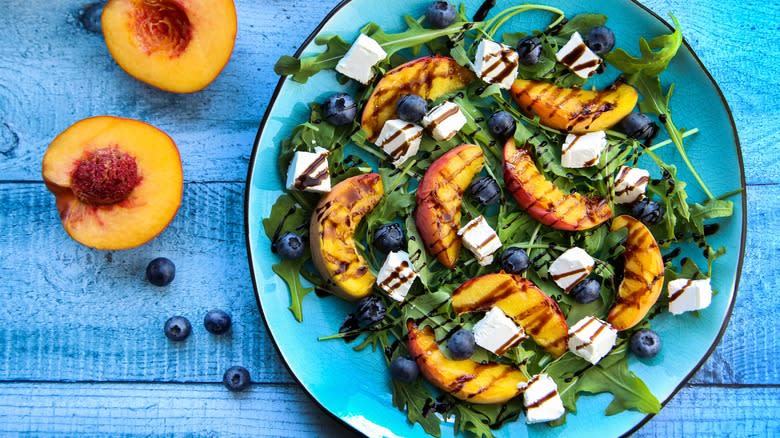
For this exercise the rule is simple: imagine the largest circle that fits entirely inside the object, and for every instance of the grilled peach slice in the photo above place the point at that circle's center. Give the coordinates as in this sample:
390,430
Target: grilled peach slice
175,45
521,300
543,200
439,198
118,182
464,379
573,109
430,77
332,235
643,275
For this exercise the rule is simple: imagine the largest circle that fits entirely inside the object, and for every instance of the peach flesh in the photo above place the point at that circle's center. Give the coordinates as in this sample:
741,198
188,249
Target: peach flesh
162,25
105,176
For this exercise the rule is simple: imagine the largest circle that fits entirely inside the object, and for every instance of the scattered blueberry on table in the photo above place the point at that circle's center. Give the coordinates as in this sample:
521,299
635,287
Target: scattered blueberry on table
160,271
404,370
236,379
177,328
514,260
217,321
645,343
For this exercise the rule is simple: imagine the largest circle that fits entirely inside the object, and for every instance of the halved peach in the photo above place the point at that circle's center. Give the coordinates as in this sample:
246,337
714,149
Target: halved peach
543,200
439,199
464,379
175,45
643,275
573,109
332,235
118,182
430,77
521,300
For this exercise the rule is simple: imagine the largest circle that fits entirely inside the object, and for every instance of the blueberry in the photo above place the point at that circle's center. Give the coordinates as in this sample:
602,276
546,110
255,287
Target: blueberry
177,328
369,311
339,109
514,260
586,291
289,246
461,345
440,14
530,50
645,343
639,126
485,190
502,125
236,379
403,369
160,271
217,322
601,40
411,108
647,211
389,237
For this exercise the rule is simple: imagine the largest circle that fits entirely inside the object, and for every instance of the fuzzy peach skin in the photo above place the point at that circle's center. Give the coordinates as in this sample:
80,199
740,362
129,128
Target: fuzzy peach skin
149,207
332,235
179,46
573,109
543,200
439,201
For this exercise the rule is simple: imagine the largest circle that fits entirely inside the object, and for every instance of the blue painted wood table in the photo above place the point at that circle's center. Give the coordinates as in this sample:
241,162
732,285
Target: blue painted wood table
81,344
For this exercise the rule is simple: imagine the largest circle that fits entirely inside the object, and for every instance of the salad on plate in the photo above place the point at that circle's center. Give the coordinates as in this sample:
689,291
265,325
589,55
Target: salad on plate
485,208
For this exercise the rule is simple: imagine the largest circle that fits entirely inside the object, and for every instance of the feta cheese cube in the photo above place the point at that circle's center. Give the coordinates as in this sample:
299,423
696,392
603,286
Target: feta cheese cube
360,59
479,238
688,295
578,57
541,399
309,172
496,63
571,267
397,275
444,121
591,339
630,185
580,151
400,140
497,332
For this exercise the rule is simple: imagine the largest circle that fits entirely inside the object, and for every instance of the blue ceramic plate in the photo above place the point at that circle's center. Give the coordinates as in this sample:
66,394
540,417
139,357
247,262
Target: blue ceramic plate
353,386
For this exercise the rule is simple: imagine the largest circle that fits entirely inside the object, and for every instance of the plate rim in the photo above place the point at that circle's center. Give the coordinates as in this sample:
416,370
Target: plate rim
743,238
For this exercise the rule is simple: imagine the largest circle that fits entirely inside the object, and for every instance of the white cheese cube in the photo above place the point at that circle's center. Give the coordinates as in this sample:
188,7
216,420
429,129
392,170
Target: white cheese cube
630,185
688,295
308,171
541,399
360,59
444,121
571,267
591,339
397,275
496,63
479,238
580,151
578,57
497,332
400,140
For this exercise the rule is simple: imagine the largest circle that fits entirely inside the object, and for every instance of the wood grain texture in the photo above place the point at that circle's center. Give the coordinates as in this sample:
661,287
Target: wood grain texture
283,410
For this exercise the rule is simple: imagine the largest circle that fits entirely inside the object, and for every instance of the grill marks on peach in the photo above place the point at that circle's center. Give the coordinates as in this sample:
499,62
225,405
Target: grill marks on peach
546,202
162,25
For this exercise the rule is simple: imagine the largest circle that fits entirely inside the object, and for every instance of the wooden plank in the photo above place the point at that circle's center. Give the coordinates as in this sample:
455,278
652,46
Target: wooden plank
78,314
54,72
283,410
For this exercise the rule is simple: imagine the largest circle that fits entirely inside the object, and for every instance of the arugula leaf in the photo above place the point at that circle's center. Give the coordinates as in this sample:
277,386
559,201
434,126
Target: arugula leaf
289,270
417,253
430,310
411,397
629,391
285,217
581,23
302,69
652,62
710,209
480,420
